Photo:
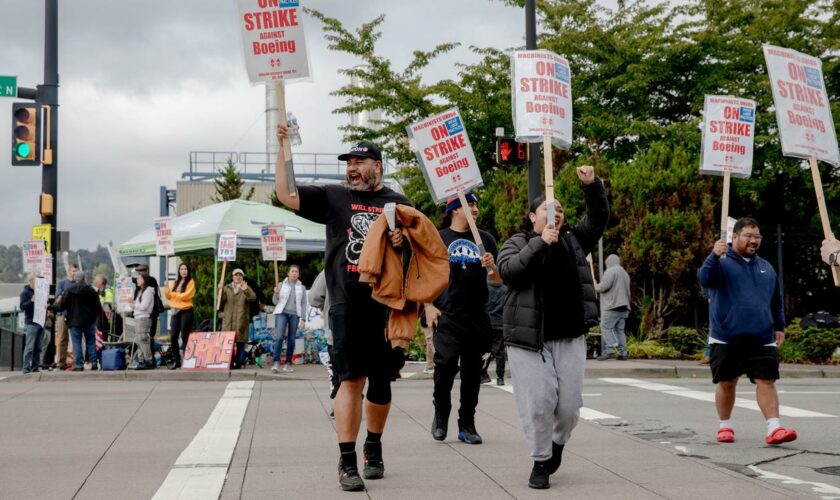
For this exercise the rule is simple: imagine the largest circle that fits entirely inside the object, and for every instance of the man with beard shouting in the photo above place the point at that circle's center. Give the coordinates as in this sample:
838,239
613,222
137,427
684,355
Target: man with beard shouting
361,351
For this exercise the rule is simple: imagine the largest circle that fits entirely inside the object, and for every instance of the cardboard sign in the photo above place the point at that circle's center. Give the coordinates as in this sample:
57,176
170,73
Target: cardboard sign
33,256
43,232
445,155
273,41
227,246
163,232
541,89
46,270
42,295
125,295
803,111
207,351
728,132
273,240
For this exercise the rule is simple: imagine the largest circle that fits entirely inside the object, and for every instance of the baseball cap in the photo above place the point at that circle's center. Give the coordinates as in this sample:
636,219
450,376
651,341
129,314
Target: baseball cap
454,202
239,271
363,149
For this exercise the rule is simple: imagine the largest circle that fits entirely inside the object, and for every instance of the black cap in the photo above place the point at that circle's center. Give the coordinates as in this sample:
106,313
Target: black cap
363,149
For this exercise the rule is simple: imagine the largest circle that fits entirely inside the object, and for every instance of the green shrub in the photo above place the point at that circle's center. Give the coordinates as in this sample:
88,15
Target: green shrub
685,340
417,347
815,345
651,349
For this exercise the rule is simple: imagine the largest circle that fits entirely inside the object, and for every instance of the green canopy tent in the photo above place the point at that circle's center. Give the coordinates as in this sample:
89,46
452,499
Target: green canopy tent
198,232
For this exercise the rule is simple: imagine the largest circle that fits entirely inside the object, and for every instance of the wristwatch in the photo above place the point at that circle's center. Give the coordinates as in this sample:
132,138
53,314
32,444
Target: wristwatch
832,258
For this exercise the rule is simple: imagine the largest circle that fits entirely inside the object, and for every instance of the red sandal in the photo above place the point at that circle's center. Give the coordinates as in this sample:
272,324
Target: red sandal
726,435
781,435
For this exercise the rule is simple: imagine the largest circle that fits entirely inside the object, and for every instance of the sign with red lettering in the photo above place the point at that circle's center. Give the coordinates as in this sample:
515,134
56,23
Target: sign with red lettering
227,246
33,257
541,88
728,132
445,154
207,351
273,239
272,36
163,231
802,107
125,295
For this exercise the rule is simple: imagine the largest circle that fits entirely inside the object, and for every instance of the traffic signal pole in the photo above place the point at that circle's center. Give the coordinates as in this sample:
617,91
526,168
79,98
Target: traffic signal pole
534,180
48,95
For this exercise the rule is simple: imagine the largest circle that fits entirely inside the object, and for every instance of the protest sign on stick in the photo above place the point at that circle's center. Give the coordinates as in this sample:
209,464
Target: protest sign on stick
42,295
273,242
727,144
164,244
446,158
803,116
226,252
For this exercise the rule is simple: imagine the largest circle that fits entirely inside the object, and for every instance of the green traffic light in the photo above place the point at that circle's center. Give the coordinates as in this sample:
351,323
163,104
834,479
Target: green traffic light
22,150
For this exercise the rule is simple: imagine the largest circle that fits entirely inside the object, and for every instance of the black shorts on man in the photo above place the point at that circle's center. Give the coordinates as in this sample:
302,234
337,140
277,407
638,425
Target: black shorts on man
744,356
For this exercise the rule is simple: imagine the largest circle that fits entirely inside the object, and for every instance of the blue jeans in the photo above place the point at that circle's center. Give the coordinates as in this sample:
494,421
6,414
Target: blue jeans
32,347
90,343
281,321
612,331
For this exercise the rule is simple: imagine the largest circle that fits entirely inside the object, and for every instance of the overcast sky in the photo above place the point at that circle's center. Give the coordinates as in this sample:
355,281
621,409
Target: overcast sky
163,78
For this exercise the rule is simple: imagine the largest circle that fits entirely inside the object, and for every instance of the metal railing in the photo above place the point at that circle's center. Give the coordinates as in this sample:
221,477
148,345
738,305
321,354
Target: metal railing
11,343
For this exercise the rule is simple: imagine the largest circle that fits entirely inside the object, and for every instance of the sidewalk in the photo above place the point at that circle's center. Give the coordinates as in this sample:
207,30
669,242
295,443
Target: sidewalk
414,371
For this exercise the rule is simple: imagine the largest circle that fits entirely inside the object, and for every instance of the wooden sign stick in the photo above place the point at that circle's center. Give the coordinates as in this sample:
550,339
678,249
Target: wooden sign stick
276,274
549,181
724,208
473,228
221,284
815,174
280,90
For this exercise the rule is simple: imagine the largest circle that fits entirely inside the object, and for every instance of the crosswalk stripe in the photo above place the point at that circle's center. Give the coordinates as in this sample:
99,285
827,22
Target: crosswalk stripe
201,468
787,411
585,413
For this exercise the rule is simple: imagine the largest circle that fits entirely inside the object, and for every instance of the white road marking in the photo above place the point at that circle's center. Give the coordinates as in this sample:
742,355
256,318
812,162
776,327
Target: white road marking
585,413
201,468
407,374
808,392
815,486
674,390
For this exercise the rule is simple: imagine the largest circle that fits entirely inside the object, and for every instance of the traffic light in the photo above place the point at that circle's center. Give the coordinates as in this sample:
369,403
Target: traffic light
510,152
26,134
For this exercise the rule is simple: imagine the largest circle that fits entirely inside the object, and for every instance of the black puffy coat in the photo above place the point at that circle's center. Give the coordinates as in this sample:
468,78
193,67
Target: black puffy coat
521,263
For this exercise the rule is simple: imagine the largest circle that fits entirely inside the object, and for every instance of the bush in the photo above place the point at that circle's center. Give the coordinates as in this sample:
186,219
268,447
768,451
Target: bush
651,349
812,344
417,347
685,340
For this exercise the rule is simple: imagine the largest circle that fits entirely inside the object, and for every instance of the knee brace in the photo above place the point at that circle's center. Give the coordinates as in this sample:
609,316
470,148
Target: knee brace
379,390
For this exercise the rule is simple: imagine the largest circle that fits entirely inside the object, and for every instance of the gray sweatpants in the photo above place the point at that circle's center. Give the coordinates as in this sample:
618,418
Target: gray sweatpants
548,393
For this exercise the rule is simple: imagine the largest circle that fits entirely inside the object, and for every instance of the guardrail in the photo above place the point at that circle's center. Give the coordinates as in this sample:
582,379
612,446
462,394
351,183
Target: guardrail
11,349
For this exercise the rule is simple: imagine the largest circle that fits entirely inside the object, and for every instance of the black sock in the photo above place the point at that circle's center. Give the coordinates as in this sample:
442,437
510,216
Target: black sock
348,447
374,437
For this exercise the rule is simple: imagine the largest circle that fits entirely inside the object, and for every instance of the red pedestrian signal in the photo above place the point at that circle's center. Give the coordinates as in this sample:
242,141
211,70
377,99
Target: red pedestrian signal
510,152
26,134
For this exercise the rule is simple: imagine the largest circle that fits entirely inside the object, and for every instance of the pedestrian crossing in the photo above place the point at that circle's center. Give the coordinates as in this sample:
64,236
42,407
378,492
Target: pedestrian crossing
585,413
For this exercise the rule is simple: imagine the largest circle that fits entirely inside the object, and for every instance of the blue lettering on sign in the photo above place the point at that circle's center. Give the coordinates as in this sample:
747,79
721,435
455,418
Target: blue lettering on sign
264,231
747,114
289,3
812,77
157,226
454,125
561,72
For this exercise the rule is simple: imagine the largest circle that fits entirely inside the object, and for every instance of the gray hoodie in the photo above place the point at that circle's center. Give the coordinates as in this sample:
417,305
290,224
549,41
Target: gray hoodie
615,285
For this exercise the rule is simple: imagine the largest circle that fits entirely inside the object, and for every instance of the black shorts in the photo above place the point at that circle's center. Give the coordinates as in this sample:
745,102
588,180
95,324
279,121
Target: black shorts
360,347
744,357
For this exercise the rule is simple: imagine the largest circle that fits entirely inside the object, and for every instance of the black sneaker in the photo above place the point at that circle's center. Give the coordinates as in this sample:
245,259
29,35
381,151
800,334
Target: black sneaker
622,358
348,473
500,381
539,476
94,367
553,463
604,357
485,378
374,466
440,424
467,433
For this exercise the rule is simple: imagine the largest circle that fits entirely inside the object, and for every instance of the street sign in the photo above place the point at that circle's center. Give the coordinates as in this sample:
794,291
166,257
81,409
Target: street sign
8,86
43,232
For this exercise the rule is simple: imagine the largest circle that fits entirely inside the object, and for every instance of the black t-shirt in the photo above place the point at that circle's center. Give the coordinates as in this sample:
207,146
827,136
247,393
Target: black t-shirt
348,215
467,290
562,306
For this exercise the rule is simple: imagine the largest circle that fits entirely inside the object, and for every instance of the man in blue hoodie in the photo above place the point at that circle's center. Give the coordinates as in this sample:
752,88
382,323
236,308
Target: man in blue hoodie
747,327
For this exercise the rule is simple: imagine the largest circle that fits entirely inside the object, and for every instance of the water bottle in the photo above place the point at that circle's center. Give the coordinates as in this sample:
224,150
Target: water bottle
294,129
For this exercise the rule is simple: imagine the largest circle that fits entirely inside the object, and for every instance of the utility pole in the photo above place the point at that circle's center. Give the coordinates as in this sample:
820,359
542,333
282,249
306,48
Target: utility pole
534,180
48,95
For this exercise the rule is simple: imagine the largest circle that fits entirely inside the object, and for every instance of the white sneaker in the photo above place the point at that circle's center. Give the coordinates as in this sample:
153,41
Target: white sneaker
275,367
429,369
288,368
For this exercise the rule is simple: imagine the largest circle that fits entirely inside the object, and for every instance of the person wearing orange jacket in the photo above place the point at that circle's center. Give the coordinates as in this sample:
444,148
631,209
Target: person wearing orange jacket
180,295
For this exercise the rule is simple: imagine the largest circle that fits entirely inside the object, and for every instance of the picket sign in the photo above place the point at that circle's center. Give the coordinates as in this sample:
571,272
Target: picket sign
803,116
225,252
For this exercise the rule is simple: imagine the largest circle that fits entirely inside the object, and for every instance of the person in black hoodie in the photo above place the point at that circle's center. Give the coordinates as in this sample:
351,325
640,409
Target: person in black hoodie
34,331
549,307
83,308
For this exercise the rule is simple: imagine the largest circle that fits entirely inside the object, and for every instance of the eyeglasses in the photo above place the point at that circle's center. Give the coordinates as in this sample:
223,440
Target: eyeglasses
754,237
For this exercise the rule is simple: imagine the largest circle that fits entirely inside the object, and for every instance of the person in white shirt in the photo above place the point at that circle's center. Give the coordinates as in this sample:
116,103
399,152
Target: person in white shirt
291,301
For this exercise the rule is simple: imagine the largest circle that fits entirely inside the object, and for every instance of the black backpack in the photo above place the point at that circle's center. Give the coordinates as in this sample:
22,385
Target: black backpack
157,309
